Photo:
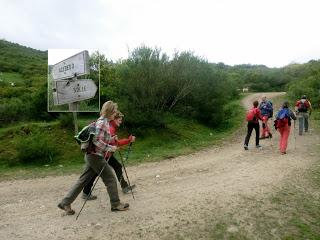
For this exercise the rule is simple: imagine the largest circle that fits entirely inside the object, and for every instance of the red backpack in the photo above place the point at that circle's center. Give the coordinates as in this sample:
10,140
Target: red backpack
282,119
251,115
303,106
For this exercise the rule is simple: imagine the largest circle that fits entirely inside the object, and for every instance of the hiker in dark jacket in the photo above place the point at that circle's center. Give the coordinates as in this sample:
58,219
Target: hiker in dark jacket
95,163
303,109
283,125
253,117
266,109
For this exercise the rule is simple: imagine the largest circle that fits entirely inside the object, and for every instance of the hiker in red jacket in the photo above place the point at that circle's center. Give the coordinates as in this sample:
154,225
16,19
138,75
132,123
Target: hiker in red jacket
113,162
283,125
253,117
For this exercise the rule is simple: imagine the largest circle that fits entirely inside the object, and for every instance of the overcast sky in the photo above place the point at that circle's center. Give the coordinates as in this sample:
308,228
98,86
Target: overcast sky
270,32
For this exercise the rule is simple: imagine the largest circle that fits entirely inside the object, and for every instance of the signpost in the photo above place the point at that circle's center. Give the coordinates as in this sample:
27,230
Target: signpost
70,91
67,89
77,65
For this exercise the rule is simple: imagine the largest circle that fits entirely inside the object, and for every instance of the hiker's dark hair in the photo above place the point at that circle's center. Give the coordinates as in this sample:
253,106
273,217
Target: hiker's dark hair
285,104
255,103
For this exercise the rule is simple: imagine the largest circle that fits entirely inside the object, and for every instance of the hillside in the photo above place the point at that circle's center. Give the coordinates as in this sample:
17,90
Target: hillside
20,59
23,83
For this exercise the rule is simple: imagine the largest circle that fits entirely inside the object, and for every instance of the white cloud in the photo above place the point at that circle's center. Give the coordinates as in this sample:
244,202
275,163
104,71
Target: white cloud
271,32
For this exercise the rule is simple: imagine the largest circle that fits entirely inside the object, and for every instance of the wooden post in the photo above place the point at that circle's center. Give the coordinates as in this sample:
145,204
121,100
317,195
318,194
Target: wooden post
73,107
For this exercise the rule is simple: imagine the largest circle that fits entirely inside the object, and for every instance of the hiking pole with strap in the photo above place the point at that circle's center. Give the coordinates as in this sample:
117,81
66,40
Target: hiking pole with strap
124,168
93,187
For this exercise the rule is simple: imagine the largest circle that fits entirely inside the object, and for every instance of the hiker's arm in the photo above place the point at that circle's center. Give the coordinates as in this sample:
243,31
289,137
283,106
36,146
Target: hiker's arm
310,107
258,114
292,115
126,141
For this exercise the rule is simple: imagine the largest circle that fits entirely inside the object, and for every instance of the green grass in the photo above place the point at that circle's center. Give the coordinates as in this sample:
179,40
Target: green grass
179,137
15,78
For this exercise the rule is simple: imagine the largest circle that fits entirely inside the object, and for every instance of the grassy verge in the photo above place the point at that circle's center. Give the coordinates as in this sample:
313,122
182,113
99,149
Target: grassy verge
62,155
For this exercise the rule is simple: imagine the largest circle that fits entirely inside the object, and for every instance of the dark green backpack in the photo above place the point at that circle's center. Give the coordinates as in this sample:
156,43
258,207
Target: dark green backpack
85,136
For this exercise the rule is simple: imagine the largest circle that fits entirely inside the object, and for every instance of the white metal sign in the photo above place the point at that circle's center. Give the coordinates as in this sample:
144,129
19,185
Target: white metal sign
76,65
73,91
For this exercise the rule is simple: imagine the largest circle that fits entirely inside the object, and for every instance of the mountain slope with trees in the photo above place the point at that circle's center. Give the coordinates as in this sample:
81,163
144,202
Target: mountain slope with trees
157,93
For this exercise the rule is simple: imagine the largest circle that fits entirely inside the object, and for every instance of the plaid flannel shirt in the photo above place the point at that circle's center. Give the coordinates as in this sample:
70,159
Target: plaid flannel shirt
102,137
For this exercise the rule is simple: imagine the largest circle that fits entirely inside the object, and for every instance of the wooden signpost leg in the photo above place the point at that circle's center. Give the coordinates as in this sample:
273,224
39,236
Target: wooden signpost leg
73,107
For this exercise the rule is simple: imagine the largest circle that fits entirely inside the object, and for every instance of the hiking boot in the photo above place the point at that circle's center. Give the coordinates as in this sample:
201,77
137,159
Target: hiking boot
67,208
262,137
259,146
88,197
120,207
282,153
245,147
128,188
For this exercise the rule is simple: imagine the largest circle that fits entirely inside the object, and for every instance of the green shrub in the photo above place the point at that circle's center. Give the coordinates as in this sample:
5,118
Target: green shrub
36,149
12,109
66,120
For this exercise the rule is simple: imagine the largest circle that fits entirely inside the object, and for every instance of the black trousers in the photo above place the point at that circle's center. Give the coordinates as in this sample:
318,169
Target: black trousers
113,162
251,126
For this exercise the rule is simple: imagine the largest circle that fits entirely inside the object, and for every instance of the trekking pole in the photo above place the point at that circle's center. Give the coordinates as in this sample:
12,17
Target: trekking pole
294,134
125,170
93,187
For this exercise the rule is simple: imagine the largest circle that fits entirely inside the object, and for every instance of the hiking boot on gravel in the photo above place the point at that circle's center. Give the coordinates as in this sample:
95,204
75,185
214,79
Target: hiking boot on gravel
128,188
259,146
120,207
67,208
88,197
245,147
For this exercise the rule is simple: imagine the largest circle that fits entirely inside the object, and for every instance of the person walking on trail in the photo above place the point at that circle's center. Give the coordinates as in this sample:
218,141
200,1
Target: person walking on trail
266,109
303,109
95,163
283,125
253,117
113,162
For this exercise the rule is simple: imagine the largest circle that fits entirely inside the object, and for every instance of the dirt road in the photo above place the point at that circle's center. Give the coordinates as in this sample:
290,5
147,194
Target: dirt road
179,198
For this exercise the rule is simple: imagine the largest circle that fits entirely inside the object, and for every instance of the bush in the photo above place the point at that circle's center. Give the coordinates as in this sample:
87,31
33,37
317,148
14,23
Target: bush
66,120
36,149
13,109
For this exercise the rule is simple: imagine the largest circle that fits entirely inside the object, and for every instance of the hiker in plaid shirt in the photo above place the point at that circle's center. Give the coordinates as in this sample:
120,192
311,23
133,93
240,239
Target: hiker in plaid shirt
95,162
103,137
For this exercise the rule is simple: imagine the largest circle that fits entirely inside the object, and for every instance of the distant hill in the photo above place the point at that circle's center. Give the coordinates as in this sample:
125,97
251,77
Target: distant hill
30,63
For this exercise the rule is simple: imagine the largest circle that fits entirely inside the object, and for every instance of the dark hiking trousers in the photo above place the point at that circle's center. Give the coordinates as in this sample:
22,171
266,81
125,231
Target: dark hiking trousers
94,165
113,162
251,126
